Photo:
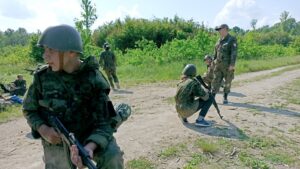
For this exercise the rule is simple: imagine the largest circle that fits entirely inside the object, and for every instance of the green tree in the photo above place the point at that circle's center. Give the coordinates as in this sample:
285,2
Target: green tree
253,23
36,53
84,24
284,16
12,37
237,30
124,34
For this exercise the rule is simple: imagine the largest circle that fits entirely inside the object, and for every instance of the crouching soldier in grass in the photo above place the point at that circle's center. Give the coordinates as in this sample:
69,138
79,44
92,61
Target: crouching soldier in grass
76,92
17,87
191,97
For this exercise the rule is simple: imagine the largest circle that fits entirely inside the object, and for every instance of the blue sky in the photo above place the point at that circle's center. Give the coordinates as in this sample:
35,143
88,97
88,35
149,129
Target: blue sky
36,15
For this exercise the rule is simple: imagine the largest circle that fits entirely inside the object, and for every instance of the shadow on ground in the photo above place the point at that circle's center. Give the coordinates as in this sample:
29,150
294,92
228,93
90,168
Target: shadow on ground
229,130
264,109
236,94
122,91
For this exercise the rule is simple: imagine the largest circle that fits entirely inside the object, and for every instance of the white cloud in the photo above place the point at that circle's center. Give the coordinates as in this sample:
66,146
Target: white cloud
120,12
20,10
240,13
36,15
44,13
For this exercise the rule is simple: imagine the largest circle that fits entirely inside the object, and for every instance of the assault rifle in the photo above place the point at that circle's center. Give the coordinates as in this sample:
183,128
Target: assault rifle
71,140
31,71
200,80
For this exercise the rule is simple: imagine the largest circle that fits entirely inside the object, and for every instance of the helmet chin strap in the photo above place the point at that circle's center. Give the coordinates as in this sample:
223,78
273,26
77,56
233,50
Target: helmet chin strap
61,61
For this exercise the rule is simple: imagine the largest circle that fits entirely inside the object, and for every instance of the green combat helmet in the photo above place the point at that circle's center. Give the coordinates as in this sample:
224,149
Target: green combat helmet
189,70
62,38
106,45
123,111
207,57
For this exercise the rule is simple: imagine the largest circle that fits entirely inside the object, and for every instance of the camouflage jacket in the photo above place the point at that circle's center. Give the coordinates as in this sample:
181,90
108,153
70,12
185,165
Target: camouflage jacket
187,92
226,50
108,60
20,84
209,74
79,99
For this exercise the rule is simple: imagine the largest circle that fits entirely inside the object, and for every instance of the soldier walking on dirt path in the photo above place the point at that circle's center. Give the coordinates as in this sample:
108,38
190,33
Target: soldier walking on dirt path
108,63
224,60
77,93
191,97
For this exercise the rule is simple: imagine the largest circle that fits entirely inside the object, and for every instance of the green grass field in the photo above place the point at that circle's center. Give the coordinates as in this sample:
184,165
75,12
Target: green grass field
133,75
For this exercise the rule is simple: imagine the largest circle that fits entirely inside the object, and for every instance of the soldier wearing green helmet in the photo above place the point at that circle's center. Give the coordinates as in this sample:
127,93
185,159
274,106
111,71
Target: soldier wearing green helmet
192,97
108,63
77,93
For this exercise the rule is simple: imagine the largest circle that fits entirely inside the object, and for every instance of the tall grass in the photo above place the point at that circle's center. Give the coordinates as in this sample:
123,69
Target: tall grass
153,72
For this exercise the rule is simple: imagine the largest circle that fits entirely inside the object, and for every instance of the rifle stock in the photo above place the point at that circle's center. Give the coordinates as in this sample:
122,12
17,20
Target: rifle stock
71,140
200,80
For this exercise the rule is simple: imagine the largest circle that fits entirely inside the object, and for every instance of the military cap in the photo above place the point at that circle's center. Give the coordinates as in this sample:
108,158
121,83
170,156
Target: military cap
221,27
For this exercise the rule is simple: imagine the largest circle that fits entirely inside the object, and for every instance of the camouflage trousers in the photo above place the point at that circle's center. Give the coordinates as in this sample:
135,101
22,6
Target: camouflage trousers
208,81
112,76
221,72
58,156
186,111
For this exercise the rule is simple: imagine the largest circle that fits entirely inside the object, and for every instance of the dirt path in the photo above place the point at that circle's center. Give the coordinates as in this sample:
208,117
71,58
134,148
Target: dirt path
154,123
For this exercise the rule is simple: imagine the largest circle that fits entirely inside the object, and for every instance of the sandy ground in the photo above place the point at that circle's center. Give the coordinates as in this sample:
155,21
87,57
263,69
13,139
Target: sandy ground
154,123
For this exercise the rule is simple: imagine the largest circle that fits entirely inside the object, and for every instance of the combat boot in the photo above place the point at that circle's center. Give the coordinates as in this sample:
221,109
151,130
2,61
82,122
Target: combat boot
225,101
118,85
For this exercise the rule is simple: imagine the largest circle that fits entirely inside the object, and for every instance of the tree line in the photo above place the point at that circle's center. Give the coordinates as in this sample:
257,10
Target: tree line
157,34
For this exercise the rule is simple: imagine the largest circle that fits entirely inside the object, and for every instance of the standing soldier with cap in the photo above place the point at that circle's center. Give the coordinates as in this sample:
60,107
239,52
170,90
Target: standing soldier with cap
108,63
224,59
76,92
191,97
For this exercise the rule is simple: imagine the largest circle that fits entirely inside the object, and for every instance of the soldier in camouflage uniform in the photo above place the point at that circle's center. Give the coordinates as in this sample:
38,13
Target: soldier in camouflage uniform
77,93
17,87
191,97
224,60
209,74
108,63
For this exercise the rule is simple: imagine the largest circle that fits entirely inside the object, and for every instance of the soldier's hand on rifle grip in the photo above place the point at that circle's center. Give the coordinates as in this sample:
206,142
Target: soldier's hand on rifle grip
75,157
49,134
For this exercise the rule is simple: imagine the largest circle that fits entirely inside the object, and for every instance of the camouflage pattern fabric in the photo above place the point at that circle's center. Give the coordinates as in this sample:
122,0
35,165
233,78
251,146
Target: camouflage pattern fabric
187,92
112,76
209,74
20,87
107,60
81,101
225,56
